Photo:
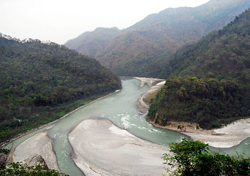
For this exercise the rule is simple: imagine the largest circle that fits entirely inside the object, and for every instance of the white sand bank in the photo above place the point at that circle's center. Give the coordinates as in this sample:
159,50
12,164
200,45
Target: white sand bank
226,137
39,144
101,148
153,87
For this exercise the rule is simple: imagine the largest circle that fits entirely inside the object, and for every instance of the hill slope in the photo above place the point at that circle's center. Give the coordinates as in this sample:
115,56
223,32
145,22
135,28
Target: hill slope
91,43
151,40
210,80
38,81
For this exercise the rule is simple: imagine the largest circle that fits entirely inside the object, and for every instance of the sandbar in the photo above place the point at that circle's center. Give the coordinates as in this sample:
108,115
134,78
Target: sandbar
39,144
101,148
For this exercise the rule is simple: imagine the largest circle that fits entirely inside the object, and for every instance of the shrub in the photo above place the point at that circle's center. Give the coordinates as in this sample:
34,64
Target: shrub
191,158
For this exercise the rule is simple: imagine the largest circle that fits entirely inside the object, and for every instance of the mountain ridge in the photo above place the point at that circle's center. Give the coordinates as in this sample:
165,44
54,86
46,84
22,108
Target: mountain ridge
163,33
96,40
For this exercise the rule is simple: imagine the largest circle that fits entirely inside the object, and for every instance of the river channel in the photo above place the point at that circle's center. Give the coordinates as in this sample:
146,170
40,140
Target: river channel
120,108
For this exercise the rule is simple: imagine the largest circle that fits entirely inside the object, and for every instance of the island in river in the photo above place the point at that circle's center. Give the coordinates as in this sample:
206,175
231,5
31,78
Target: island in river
109,150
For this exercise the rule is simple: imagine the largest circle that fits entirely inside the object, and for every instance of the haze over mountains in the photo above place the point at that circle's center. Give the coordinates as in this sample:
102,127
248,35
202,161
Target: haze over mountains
133,51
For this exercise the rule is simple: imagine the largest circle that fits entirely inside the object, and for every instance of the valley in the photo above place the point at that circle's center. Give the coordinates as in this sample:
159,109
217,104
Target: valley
113,102
124,126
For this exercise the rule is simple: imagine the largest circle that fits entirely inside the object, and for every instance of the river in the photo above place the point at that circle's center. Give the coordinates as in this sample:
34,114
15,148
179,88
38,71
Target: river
120,108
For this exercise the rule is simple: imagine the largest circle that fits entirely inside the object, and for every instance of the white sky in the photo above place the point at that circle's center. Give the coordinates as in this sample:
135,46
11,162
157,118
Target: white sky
61,20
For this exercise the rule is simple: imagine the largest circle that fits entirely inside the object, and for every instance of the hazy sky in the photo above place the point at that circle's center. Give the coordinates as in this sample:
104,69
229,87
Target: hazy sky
61,20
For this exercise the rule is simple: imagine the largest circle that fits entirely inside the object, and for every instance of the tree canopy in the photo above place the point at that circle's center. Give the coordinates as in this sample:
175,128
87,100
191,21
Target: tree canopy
209,102
38,77
194,158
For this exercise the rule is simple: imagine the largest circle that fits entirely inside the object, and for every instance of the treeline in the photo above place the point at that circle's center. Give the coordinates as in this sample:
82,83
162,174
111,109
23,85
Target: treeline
209,102
210,80
36,77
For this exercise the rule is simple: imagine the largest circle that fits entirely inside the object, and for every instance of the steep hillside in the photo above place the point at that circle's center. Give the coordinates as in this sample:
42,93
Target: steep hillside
210,81
125,53
91,43
223,54
41,82
151,40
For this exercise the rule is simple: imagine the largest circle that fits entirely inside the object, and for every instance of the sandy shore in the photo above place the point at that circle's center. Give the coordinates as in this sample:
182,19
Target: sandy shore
226,137
38,145
154,85
101,148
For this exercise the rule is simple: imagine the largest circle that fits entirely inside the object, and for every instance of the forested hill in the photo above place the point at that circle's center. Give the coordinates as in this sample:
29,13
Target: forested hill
210,81
92,43
38,78
140,49
224,54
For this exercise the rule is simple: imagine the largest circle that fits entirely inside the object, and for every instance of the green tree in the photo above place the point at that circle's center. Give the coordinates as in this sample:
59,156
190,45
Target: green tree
190,158
17,169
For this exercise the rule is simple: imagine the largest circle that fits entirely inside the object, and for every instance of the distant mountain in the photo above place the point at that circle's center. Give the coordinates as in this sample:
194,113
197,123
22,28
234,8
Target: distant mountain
40,82
210,80
222,54
91,43
137,48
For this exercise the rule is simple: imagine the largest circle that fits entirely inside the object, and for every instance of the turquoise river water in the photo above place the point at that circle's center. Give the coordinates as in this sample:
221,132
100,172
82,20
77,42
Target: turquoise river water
121,110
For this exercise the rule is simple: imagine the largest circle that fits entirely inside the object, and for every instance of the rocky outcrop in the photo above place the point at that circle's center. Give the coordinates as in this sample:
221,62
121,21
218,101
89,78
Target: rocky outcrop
36,160
3,159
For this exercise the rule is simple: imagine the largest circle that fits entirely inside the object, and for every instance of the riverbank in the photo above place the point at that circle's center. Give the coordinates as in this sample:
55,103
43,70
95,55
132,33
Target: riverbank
39,140
53,122
128,146
154,85
226,137
38,148
109,150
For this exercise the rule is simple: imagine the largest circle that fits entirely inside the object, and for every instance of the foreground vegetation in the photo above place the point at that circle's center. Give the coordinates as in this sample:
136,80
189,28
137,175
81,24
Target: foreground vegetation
18,169
41,82
193,158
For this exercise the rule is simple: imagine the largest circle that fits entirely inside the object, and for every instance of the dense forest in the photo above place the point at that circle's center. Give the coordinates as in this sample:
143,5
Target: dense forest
209,81
209,102
42,81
